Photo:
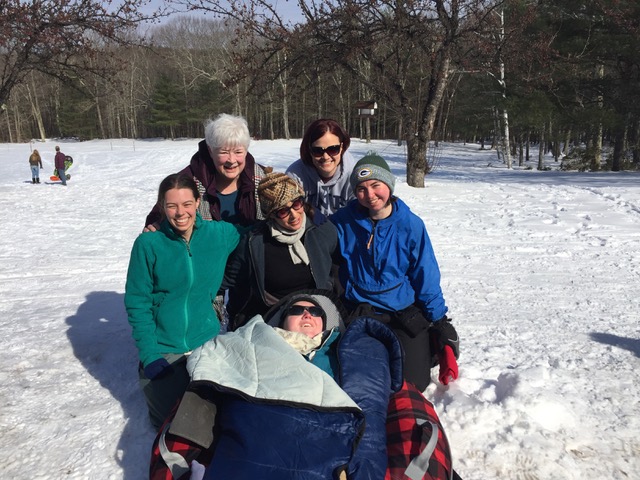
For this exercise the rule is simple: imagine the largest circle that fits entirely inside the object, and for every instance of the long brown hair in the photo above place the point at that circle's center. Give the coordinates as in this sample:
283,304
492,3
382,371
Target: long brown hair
177,180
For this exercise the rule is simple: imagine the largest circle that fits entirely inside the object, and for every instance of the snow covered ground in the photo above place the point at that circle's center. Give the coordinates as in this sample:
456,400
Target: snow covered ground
541,272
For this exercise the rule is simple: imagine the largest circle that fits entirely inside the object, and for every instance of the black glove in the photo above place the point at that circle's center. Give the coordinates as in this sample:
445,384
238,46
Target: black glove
157,369
442,333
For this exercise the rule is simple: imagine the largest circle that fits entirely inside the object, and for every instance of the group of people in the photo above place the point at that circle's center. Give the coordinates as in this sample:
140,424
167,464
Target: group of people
35,163
227,227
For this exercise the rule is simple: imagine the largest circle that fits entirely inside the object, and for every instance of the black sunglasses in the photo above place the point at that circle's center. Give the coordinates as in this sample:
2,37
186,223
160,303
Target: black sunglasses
299,310
296,205
331,150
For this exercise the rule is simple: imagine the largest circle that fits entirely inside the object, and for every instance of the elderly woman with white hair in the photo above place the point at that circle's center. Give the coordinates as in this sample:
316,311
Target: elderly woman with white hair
226,174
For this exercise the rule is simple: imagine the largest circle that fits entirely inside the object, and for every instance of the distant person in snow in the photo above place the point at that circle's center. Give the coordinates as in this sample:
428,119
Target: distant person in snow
35,162
389,271
324,166
60,166
173,277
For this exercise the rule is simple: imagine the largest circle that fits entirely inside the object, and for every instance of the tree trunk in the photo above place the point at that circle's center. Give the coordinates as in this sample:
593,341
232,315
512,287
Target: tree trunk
35,108
283,78
367,129
503,85
618,149
520,151
497,134
635,142
567,140
416,162
597,151
541,148
6,115
417,166
596,157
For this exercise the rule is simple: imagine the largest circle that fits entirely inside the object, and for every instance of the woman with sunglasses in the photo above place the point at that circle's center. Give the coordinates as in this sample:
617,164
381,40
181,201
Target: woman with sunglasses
289,251
324,166
276,399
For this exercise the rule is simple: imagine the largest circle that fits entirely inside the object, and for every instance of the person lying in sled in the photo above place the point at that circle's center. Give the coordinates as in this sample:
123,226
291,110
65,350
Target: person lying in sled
293,396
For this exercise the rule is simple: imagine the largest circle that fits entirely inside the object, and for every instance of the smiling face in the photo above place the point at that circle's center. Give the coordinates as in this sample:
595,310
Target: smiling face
325,164
228,162
180,208
305,323
374,195
293,215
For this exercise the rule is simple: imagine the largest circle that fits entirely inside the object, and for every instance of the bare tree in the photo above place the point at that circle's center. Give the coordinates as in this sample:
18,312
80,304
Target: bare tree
59,38
408,45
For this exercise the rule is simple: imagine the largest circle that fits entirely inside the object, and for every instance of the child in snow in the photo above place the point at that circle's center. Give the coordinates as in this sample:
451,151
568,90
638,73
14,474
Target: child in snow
174,274
35,162
389,271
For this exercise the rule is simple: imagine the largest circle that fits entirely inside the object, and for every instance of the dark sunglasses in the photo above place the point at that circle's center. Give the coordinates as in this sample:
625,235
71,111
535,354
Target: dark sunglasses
296,205
299,310
331,150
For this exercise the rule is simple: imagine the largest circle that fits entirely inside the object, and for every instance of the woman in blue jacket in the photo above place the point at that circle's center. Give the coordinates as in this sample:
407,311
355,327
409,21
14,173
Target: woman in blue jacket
174,274
389,271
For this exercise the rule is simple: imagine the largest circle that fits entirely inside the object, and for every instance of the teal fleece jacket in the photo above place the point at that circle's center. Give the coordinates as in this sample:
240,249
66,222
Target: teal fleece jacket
171,285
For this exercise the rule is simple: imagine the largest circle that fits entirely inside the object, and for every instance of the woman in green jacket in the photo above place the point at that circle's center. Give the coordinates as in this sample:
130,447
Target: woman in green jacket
174,275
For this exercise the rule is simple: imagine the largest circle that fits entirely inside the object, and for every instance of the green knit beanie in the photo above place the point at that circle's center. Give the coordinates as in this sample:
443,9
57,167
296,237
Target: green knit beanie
372,167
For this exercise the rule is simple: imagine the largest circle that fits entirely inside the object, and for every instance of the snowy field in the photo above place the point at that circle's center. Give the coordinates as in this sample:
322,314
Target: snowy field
541,272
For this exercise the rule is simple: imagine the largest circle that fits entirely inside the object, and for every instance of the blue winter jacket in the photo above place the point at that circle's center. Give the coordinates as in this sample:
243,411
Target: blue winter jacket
389,264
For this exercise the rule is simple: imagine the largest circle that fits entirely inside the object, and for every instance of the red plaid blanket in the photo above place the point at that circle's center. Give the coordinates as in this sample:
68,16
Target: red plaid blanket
417,447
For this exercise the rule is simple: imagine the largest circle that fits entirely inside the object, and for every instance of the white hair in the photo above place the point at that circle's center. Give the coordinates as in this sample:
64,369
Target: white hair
227,131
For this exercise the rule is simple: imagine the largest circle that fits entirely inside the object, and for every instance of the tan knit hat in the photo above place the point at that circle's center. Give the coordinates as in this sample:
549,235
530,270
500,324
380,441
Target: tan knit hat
276,190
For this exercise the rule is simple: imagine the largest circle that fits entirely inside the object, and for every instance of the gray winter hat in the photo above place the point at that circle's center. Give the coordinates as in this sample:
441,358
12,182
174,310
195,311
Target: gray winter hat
321,298
372,167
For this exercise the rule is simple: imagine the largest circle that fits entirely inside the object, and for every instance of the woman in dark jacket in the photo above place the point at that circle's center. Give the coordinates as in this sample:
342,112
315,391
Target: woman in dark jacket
290,251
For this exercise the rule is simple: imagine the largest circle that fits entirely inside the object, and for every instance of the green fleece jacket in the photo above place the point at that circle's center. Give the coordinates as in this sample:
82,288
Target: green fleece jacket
171,285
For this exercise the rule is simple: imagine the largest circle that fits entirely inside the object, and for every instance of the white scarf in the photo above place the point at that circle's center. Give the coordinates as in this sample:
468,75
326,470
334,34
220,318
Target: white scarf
301,341
293,239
